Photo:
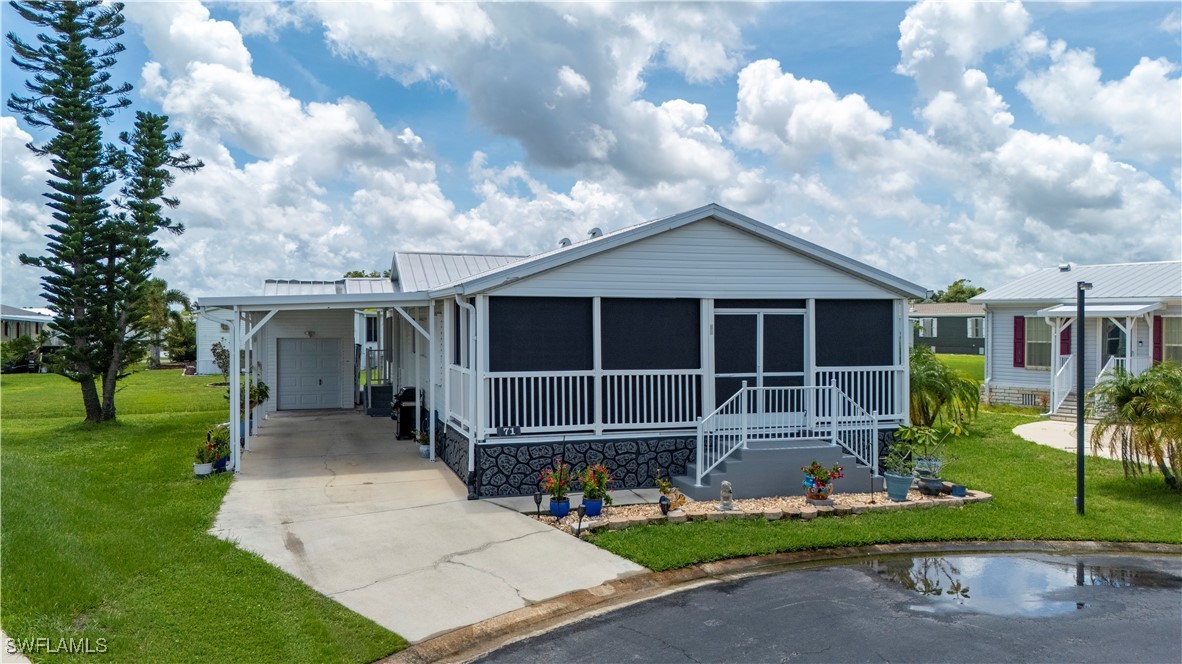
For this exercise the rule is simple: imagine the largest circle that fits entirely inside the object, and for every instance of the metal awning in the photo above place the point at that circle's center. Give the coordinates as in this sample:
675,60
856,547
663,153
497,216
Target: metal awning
315,301
1100,310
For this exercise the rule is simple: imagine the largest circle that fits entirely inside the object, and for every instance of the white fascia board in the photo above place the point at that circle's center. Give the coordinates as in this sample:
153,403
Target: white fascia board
313,302
528,267
1100,309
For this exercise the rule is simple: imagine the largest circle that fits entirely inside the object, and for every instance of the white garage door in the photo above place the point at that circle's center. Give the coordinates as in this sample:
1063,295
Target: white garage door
309,373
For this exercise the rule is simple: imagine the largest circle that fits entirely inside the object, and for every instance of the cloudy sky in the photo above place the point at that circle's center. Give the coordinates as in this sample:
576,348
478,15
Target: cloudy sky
935,140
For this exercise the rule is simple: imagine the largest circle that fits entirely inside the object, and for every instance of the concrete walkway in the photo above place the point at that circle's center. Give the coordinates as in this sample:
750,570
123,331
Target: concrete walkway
332,498
1061,436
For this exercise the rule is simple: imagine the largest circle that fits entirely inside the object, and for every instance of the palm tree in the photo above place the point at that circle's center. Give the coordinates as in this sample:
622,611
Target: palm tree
937,390
158,314
1140,417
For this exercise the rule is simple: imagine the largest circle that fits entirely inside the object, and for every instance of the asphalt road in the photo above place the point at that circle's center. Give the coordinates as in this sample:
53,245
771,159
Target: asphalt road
974,608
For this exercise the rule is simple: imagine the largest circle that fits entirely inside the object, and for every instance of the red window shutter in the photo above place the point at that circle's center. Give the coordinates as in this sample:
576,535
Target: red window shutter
1065,341
1020,341
1158,342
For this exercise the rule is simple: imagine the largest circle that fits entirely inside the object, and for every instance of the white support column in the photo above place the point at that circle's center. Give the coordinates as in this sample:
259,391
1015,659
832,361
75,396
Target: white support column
597,362
480,365
988,347
248,412
810,361
235,389
1130,339
431,362
707,336
903,398
448,344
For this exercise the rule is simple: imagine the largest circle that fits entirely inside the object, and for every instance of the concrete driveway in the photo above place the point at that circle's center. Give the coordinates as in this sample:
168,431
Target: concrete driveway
332,498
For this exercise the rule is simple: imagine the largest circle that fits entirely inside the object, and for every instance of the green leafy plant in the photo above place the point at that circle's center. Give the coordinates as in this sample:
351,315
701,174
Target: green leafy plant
1140,420
206,452
939,392
926,445
899,460
665,486
422,437
219,438
557,479
596,480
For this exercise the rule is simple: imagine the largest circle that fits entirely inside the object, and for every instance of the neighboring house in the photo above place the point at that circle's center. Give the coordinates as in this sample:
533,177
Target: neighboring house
1133,318
21,322
213,325
949,327
677,345
30,322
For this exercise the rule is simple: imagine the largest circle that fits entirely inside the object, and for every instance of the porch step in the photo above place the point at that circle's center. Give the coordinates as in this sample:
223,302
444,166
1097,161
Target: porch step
758,472
1067,411
380,398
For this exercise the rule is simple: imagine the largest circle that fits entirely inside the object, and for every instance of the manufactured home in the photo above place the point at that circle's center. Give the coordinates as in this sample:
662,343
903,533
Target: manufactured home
1132,319
705,345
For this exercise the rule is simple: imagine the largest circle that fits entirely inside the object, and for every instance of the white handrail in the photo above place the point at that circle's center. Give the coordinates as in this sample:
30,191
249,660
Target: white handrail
857,431
1064,382
878,389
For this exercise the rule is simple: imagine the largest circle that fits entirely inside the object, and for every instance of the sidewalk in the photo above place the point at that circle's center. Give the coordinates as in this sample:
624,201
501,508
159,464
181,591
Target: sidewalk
1061,436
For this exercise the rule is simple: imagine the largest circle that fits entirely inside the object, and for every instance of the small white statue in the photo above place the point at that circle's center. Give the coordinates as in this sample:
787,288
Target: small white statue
727,497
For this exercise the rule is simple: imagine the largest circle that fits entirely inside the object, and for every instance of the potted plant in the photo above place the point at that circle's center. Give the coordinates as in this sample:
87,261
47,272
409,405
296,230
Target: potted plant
595,480
258,393
818,480
927,450
219,437
671,498
423,438
898,469
556,481
206,454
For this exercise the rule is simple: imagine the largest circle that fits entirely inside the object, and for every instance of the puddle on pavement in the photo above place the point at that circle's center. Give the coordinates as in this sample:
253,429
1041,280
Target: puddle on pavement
1009,585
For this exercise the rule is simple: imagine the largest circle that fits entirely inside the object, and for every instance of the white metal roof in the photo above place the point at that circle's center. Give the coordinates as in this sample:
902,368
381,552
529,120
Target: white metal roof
420,271
570,253
945,309
1121,281
15,313
349,286
1099,310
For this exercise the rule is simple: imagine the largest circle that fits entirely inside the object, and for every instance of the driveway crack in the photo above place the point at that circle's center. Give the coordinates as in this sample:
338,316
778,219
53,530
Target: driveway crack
449,558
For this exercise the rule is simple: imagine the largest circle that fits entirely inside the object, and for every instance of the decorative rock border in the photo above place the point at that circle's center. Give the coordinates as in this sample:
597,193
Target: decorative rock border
805,513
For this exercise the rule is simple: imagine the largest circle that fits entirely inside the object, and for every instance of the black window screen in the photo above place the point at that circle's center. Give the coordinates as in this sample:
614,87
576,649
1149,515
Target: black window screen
650,333
734,343
759,304
783,342
854,333
539,334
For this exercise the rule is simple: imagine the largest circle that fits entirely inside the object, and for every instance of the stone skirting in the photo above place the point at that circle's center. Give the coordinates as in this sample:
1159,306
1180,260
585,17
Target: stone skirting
452,448
1027,397
512,468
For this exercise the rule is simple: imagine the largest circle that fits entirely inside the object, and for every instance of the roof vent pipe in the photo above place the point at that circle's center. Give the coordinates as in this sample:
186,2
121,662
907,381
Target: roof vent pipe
594,233
1064,267
564,242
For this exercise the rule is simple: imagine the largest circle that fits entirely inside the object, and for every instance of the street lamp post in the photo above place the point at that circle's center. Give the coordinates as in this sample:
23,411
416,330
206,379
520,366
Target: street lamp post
1080,287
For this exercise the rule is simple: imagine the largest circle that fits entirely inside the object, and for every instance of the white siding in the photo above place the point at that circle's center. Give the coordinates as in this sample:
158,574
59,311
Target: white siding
325,324
1001,336
208,333
703,259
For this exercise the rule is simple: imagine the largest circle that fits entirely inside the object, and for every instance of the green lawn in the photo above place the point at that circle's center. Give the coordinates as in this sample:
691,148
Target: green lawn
973,365
104,536
1033,487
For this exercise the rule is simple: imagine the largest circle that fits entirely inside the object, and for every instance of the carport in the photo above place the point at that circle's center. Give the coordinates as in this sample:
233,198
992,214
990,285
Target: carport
334,500
313,365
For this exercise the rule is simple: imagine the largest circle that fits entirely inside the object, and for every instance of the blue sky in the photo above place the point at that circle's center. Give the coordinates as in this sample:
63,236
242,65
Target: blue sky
934,140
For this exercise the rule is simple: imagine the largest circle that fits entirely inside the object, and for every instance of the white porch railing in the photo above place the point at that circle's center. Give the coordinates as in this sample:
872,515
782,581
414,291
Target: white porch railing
459,395
876,389
667,399
558,401
1134,366
1063,383
786,413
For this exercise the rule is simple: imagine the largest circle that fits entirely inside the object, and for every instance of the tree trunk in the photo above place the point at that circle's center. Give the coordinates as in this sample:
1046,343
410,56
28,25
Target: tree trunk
112,375
90,399
154,361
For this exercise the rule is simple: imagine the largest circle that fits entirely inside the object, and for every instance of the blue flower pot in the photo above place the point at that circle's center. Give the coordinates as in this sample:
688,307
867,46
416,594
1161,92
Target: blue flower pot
559,508
594,507
220,464
897,486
